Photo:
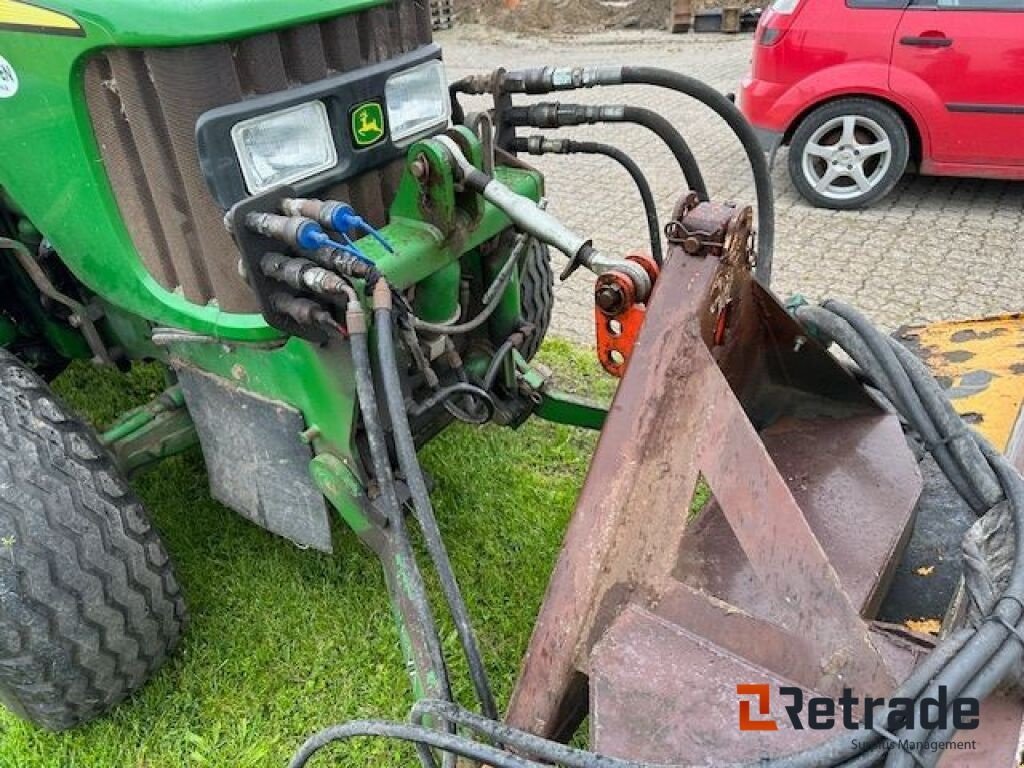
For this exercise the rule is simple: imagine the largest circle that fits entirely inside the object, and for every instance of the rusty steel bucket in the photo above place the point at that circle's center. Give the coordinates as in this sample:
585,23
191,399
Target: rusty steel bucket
662,604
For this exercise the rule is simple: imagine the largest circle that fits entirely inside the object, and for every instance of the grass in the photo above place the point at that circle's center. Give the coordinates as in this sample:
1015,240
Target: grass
282,641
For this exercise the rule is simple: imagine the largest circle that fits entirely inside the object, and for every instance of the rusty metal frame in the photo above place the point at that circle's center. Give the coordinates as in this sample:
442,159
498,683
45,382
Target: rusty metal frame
712,369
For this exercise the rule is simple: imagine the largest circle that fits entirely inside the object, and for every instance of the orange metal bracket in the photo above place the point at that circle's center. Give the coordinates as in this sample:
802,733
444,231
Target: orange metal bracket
618,316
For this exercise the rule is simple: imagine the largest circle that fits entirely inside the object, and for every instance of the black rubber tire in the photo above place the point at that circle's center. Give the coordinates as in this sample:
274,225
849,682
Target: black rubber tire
89,605
537,295
890,122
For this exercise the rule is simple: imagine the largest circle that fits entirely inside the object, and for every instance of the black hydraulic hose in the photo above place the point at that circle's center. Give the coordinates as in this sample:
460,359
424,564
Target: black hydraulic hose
551,115
904,396
963,447
427,737
499,358
704,93
540,145
422,506
652,121
464,388
367,398
840,331
996,646
642,185
547,80
523,742
986,657
386,482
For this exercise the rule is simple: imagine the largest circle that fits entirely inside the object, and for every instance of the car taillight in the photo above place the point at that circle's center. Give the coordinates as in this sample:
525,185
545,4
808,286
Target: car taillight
776,20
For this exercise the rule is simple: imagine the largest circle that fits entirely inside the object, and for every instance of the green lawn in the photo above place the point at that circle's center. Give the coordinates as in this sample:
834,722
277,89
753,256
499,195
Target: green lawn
283,642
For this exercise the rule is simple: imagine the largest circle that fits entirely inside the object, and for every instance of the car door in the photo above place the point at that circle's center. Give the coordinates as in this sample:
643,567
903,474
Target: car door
961,63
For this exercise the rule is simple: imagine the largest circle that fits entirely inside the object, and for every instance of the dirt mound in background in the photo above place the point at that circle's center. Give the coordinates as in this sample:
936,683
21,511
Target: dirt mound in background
645,14
565,16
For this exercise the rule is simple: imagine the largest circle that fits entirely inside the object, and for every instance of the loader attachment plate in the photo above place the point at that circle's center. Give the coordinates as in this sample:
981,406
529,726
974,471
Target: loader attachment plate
654,615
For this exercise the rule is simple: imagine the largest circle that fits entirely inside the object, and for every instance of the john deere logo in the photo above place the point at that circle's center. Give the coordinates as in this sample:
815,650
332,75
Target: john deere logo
367,124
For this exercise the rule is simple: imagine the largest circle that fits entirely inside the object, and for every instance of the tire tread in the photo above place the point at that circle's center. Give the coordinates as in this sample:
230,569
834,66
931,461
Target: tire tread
89,604
537,281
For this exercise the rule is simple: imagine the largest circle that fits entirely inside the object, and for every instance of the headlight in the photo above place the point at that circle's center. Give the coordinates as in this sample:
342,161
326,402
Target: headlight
417,101
284,146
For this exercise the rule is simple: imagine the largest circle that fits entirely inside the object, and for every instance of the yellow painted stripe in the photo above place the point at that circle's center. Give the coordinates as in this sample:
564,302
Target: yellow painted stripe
19,14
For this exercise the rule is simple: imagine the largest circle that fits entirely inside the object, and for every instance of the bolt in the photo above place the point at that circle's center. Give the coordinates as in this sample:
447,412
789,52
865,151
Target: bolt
691,245
74,321
610,298
420,168
309,435
798,343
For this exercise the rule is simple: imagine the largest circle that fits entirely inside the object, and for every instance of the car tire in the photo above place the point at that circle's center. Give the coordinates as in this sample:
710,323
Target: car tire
89,604
537,296
848,153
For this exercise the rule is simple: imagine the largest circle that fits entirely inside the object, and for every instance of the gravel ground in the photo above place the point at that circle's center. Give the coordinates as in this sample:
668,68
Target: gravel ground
936,248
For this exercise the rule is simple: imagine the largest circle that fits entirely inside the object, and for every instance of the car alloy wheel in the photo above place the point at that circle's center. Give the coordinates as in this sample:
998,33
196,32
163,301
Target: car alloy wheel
847,157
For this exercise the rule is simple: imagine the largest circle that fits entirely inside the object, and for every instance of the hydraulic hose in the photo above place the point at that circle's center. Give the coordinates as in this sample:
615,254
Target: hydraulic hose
534,220
367,399
725,109
498,360
464,389
491,299
993,649
551,115
541,145
422,506
427,737
548,79
892,380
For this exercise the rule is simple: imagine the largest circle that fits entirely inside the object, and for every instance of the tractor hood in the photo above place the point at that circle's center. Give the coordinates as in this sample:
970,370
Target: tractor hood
178,22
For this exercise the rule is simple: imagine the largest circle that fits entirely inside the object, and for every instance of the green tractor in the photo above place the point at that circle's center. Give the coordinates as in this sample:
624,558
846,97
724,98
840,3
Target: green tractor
289,208
233,195
146,157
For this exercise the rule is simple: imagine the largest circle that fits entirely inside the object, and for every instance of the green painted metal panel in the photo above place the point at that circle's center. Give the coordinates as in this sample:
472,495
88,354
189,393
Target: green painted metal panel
51,166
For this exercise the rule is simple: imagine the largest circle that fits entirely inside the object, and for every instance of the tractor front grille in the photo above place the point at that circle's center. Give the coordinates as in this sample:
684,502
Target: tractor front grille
144,105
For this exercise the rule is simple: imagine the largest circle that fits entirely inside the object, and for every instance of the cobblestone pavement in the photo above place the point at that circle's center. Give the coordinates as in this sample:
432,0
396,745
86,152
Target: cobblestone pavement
934,249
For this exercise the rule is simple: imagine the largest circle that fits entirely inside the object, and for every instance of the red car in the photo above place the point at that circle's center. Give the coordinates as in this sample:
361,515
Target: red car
863,89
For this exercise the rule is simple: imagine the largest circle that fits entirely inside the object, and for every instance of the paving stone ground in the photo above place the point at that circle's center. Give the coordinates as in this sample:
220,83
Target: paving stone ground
936,248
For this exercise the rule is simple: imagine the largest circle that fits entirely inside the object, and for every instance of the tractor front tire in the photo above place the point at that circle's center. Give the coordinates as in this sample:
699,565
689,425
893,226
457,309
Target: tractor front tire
89,605
537,296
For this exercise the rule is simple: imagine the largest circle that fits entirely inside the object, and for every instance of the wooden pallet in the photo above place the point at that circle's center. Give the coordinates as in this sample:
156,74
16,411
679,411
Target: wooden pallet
442,14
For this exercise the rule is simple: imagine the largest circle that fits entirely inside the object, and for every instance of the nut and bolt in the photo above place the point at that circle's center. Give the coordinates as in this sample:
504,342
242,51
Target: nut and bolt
420,168
610,298
691,245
